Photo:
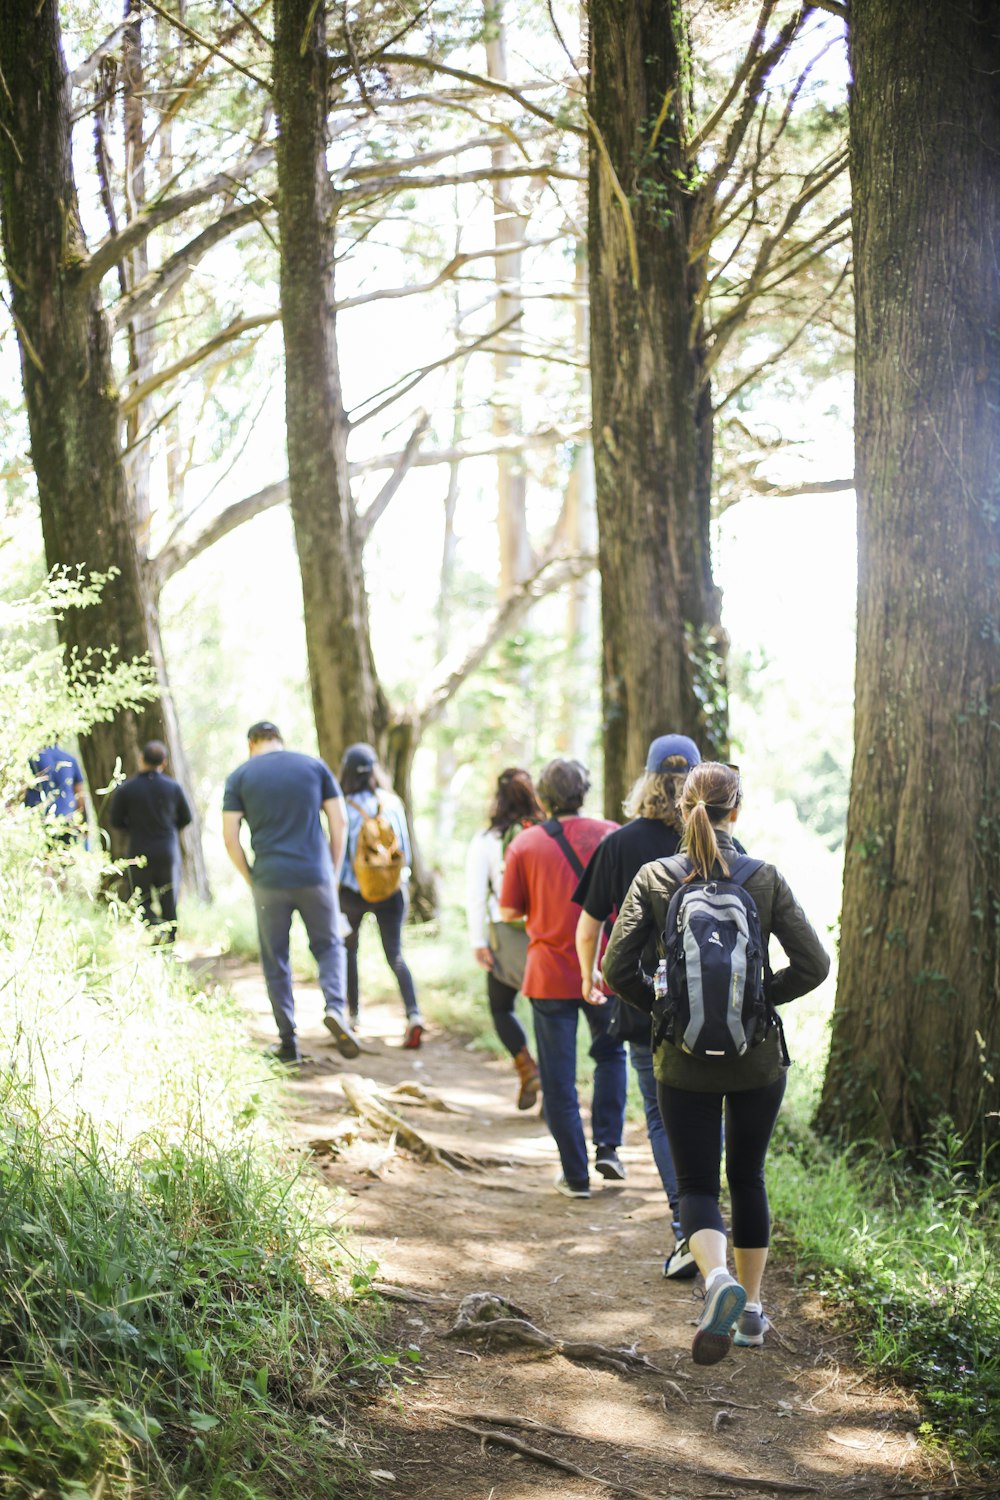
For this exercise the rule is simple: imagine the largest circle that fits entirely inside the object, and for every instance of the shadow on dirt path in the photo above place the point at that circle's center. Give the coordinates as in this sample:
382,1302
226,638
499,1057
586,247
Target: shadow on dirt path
796,1417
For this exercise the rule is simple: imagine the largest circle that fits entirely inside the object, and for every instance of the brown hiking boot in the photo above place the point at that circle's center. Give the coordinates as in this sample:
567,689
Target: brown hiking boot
527,1072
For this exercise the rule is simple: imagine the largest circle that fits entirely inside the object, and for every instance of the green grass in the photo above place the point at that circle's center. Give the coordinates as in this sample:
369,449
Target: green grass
176,1317
908,1262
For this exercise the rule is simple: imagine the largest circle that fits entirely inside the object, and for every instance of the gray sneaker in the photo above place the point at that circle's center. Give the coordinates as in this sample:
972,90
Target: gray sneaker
347,1042
723,1305
750,1329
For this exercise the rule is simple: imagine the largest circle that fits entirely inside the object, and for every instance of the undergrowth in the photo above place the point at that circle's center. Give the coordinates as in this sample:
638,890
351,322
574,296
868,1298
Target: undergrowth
176,1320
908,1262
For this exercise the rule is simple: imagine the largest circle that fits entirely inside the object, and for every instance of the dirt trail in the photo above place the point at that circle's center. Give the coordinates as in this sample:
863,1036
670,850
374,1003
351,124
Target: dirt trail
797,1417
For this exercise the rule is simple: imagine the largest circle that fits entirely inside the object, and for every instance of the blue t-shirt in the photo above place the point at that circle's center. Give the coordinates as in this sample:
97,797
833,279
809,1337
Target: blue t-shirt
56,773
368,803
280,794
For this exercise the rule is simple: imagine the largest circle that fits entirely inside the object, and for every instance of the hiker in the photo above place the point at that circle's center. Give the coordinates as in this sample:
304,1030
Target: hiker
654,832
374,876
501,948
151,809
698,1073
541,872
57,788
281,795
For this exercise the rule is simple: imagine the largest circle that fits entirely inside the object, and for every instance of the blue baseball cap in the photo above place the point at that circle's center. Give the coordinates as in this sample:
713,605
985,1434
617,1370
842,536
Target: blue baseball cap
667,745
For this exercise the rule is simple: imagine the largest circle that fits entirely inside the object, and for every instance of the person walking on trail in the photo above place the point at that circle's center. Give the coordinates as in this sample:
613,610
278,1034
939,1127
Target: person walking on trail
501,948
150,809
654,832
700,1067
541,872
57,788
374,877
281,795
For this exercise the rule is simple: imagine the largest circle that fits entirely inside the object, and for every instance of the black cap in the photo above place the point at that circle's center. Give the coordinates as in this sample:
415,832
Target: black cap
360,757
263,730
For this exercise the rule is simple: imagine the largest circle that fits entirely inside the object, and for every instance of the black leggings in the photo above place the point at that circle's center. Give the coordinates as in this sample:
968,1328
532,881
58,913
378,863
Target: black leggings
390,916
509,1029
693,1121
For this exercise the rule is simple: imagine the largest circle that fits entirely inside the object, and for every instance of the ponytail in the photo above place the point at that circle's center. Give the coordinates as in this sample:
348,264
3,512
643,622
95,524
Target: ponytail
711,792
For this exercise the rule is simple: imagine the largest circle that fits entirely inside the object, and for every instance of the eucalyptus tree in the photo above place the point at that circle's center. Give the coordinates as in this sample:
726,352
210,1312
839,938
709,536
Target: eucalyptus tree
697,218
916,1027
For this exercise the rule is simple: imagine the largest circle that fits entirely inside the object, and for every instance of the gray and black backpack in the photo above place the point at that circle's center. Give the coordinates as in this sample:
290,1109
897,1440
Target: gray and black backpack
711,998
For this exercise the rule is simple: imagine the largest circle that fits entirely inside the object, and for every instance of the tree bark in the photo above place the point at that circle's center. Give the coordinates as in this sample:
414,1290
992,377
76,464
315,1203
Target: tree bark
663,655
508,229
348,703
916,1031
69,386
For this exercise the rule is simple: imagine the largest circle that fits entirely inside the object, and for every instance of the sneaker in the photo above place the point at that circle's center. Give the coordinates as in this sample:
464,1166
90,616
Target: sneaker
347,1042
287,1052
570,1189
750,1329
680,1264
608,1164
723,1305
414,1033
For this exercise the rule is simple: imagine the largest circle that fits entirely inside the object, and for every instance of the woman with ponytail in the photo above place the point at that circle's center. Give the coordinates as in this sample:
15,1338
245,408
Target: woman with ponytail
694,1090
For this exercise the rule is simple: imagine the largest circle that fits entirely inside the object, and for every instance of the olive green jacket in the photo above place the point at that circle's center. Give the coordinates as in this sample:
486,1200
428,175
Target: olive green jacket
643,917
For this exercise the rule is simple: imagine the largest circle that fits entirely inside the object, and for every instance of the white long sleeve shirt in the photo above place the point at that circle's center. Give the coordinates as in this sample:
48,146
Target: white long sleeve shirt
483,877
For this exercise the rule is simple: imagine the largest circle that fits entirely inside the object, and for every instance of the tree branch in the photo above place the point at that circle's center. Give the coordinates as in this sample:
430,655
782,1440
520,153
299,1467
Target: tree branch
404,464
448,676
86,70
178,555
693,146
445,274
177,267
494,85
145,388
117,246
516,443
414,377
204,41
379,187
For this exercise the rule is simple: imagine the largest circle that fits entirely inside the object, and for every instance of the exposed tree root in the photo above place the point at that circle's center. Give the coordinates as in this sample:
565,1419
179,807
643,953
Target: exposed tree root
483,1316
405,1294
362,1095
417,1096
485,1436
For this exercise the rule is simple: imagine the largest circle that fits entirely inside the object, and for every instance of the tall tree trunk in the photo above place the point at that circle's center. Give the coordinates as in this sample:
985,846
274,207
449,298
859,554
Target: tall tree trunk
348,703
663,662
142,354
508,229
68,379
917,1022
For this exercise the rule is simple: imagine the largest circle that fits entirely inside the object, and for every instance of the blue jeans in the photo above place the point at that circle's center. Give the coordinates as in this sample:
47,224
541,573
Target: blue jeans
317,906
642,1062
555,1039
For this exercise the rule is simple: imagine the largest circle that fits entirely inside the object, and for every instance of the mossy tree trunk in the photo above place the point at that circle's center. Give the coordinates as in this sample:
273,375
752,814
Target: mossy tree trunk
916,1030
69,386
663,662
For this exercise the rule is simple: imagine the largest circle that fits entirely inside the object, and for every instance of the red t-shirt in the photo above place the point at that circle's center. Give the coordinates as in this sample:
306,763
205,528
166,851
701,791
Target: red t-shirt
539,881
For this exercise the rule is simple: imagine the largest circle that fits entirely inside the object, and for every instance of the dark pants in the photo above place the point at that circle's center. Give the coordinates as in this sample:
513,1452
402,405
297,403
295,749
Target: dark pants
502,998
317,906
555,1039
693,1121
156,883
390,916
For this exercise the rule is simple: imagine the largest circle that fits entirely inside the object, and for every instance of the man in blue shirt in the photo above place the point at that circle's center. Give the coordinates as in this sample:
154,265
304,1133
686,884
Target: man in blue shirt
57,787
151,809
281,795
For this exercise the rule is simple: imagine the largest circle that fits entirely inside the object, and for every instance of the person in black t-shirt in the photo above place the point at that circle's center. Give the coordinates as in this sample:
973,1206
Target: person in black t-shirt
653,833
151,809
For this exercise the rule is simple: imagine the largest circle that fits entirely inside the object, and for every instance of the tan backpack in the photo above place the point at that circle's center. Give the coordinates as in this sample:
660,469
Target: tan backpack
378,855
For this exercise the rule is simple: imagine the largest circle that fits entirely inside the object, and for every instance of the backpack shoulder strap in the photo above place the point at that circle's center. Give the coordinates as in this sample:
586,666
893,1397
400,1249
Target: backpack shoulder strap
743,868
554,829
677,866
356,805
